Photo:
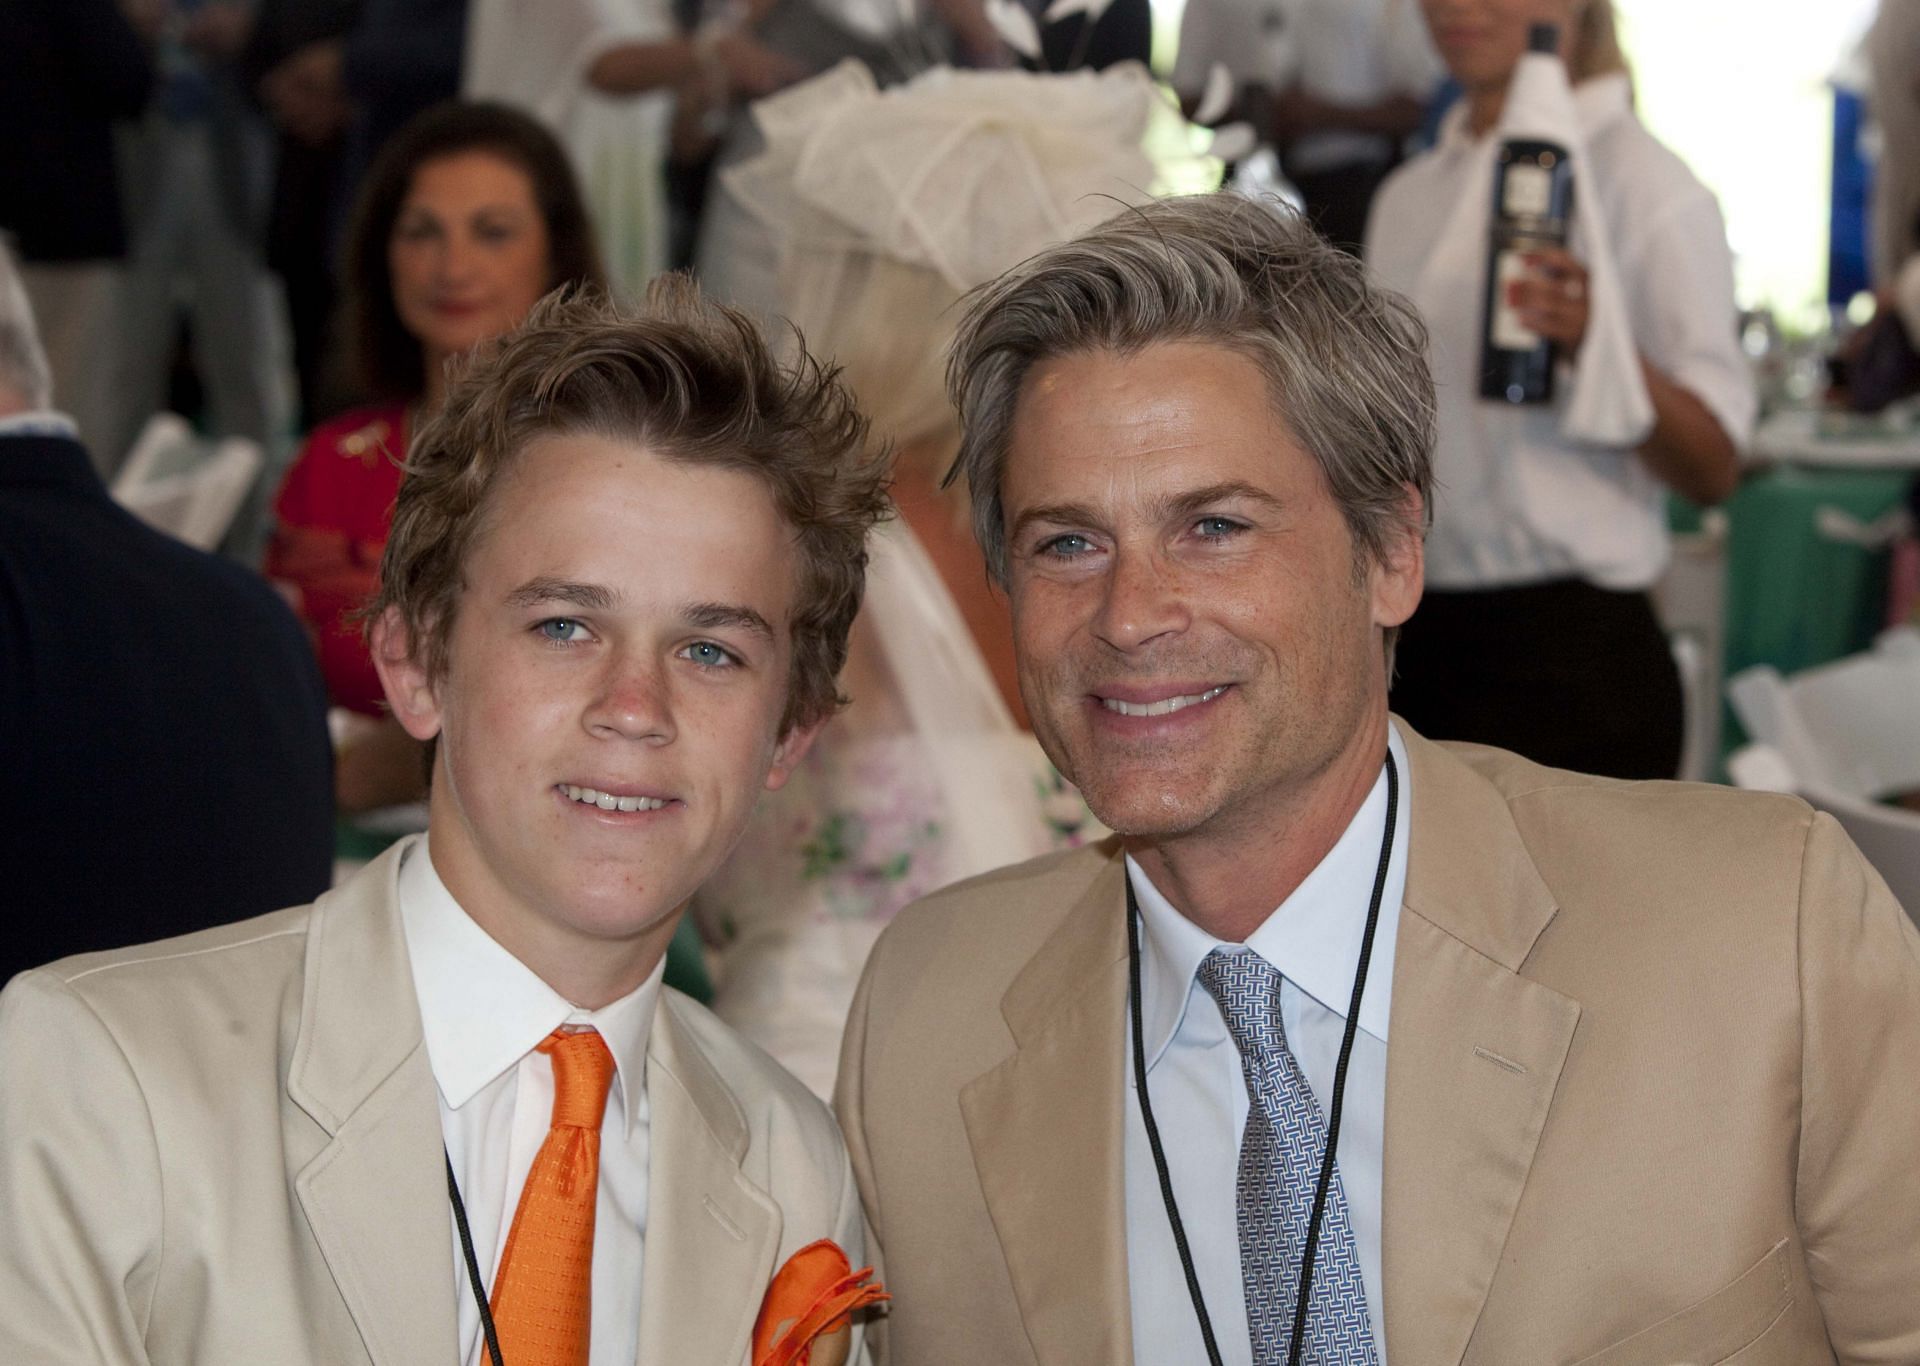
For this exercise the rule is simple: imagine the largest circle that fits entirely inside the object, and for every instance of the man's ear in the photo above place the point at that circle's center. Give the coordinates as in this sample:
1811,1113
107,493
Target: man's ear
790,751
410,691
1398,577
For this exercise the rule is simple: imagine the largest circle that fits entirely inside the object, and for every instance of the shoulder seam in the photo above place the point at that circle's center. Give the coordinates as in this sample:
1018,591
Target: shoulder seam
184,953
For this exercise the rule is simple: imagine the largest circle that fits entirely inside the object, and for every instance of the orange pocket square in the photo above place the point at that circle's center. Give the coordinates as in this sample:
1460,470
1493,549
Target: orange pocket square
811,1297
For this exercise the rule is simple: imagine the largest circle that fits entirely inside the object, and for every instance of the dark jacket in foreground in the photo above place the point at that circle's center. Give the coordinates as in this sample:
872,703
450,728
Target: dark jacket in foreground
164,763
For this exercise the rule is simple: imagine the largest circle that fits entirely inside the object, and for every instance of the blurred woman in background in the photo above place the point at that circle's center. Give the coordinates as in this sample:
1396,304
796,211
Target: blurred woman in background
1537,632
469,216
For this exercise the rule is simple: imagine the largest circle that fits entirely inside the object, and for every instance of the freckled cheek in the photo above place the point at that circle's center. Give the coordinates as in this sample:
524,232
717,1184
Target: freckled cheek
737,735
523,714
1048,615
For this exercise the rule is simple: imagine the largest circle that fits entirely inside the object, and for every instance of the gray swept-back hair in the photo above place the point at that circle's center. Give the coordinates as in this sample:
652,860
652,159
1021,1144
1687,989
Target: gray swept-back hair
1345,361
23,361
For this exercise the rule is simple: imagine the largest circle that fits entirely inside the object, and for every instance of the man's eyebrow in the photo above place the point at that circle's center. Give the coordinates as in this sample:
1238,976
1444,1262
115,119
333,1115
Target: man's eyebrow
1185,504
714,616
1173,505
535,592
1059,514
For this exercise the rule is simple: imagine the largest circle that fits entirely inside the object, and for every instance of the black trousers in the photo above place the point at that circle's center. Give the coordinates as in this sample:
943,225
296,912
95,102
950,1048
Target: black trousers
1565,673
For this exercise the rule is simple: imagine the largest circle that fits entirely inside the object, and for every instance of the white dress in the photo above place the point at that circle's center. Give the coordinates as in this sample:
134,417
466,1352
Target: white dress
534,55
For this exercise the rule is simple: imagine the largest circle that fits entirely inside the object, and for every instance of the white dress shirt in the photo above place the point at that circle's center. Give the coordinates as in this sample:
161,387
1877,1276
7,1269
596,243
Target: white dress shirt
483,1012
1349,52
1518,502
1356,53
1199,1093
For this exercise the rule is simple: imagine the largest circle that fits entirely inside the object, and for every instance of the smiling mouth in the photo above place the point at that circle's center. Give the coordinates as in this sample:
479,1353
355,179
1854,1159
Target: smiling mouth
1166,706
607,801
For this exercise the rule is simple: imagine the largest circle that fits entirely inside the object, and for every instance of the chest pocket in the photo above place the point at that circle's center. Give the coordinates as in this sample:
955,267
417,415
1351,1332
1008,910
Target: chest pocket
1731,1326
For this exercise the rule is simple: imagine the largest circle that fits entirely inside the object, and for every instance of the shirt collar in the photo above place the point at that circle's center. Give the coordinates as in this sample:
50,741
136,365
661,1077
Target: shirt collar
1312,938
40,423
1598,103
482,1009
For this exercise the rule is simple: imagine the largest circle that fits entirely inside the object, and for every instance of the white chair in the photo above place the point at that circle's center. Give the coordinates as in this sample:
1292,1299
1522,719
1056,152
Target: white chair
172,483
1843,736
1691,599
166,442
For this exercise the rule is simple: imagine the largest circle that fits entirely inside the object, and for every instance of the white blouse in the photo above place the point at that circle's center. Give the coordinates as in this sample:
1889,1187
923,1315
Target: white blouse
1517,501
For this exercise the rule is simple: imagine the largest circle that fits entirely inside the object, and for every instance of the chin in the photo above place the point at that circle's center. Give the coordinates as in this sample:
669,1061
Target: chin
1148,811
618,912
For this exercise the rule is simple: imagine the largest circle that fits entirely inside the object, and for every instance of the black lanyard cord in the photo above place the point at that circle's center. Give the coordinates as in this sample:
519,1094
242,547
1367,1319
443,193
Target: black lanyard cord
473,1265
1321,1188
1153,1134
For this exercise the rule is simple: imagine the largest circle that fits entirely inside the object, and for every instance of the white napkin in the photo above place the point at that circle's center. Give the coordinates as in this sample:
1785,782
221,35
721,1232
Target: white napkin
1606,404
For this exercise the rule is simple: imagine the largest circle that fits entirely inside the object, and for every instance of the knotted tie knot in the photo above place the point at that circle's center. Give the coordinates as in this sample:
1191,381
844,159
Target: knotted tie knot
1247,989
582,1074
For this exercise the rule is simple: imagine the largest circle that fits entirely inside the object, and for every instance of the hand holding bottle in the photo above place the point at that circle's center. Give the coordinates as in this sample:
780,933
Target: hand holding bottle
1552,298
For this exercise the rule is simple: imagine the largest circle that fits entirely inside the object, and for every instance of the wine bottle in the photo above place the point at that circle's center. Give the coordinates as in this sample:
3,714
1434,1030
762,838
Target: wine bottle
1532,205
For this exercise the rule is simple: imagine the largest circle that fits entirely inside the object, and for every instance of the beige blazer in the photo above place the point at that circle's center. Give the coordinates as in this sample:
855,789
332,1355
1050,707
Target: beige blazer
1653,1091
226,1149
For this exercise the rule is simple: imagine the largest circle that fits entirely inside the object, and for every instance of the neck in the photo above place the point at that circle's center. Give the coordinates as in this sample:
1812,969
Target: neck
588,971
434,393
591,974
1228,883
604,973
1484,105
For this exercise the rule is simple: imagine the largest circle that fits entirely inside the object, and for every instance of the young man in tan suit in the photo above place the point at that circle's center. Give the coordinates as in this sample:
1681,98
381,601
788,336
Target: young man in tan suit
1629,1077
451,1104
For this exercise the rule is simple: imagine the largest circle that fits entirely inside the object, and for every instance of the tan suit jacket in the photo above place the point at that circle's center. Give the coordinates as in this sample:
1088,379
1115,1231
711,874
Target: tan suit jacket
226,1148
1653,1091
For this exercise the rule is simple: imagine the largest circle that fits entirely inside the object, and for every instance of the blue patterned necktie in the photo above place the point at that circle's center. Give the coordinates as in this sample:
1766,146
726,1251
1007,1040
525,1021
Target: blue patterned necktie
1280,1156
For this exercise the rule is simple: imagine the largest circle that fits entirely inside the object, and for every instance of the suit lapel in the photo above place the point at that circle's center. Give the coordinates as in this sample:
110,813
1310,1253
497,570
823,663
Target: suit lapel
375,1196
712,1235
1475,1055
1046,1131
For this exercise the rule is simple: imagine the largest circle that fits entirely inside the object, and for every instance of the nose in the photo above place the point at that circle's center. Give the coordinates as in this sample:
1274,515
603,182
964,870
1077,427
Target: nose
459,256
631,701
1141,601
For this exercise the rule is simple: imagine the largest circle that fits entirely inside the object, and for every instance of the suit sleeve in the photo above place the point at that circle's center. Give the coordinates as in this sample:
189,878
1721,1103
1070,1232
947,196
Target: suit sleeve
849,1231
1858,1193
847,1104
79,1185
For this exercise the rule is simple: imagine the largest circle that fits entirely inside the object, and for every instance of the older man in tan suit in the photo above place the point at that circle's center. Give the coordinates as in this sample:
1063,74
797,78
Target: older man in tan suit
449,1114
1349,1044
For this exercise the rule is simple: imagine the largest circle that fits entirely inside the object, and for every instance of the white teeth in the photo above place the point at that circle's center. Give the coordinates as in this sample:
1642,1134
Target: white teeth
607,801
1166,706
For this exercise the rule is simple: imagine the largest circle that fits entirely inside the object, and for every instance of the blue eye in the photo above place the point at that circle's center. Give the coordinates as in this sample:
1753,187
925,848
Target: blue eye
561,630
1066,547
710,656
1217,528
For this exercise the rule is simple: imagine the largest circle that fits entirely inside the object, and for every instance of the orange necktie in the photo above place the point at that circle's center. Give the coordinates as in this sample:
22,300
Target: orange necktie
543,1291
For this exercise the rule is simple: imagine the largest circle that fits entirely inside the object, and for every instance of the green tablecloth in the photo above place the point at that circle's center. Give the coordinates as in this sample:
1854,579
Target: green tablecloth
1807,567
